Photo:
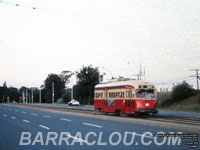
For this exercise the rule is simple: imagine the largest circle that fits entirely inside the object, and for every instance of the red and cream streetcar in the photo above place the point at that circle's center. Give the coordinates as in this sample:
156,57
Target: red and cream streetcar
126,97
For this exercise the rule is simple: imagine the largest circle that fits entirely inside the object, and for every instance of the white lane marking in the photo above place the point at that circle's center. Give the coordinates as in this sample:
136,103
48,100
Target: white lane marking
10,109
94,125
4,115
34,114
4,108
0,107
47,116
26,121
143,135
13,117
17,110
44,127
23,112
81,140
65,119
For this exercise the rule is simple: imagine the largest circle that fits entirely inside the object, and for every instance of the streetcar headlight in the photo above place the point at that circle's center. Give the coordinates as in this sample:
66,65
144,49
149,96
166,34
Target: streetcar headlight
147,104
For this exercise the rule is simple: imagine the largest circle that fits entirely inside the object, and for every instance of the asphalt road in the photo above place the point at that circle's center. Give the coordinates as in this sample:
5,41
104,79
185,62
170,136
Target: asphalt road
161,112
83,132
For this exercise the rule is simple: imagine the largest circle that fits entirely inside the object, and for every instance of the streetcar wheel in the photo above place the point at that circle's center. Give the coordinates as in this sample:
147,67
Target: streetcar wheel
121,113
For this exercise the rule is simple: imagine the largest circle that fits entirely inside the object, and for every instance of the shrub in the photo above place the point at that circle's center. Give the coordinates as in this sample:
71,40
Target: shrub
59,101
182,91
179,93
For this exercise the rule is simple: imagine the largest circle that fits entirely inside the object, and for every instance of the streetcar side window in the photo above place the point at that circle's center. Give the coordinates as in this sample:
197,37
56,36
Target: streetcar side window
116,94
130,94
98,95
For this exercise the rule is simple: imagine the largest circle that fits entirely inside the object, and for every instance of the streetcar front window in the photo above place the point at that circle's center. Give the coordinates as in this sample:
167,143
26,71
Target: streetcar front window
145,94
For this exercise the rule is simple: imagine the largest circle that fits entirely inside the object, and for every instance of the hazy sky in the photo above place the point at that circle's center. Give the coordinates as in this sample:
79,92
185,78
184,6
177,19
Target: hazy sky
162,35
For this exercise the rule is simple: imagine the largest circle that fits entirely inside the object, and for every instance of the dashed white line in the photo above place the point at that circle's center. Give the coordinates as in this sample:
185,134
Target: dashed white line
13,117
94,125
81,140
143,135
23,112
64,119
44,127
4,115
26,121
47,116
34,114
0,107
17,110
10,109
4,108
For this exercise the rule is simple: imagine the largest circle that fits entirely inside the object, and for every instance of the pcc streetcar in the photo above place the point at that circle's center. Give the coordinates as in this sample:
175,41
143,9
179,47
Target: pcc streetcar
126,97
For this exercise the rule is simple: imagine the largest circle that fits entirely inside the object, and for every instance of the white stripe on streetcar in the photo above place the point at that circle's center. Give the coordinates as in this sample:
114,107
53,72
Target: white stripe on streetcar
94,125
34,114
4,115
64,119
13,117
26,121
44,127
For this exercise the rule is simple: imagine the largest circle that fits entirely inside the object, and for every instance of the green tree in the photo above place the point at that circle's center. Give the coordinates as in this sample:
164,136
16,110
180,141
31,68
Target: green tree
10,92
65,76
67,96
182,91
179,93
5,84
4,91
88,77
59,87
13,94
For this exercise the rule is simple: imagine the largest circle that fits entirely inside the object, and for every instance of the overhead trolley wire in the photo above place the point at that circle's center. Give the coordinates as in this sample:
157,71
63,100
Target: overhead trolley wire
17,4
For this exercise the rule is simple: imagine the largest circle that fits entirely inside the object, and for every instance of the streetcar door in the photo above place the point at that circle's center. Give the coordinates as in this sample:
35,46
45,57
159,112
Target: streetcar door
106,99
132,101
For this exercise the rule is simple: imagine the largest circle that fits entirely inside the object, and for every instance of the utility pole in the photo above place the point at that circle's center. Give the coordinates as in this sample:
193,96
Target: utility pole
140,72
197,77
40,96
32,94
52,92
3,99
26,95
23,97
72,92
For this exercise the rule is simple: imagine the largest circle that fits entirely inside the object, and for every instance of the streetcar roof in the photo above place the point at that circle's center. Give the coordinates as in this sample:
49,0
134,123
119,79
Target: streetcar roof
133,83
